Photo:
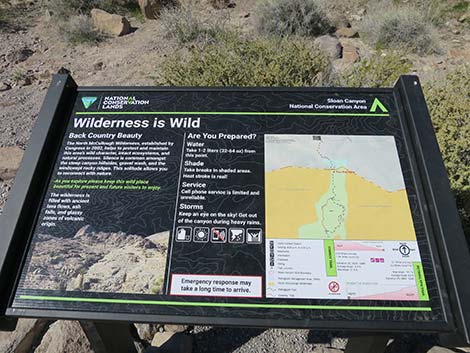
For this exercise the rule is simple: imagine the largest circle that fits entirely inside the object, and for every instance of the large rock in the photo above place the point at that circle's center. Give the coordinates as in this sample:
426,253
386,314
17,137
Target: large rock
350,53
4,86
27,332
10,159
347,32
114,25
146,331
152,9
64,337
329,45
169,342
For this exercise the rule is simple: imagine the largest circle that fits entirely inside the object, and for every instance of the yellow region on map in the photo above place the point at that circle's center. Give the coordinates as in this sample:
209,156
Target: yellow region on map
309,203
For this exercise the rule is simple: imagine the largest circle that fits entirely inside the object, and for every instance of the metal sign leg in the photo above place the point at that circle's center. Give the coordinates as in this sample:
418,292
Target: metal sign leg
109,337
367,344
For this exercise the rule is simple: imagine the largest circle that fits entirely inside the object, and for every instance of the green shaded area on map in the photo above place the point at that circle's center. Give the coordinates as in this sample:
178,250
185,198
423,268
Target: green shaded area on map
331,208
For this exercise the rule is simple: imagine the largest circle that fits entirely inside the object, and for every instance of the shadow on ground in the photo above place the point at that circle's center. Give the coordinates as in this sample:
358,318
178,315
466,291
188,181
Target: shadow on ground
224,339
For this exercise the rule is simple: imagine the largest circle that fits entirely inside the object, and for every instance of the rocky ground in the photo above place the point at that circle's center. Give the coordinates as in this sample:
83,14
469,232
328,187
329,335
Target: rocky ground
30,51
98,262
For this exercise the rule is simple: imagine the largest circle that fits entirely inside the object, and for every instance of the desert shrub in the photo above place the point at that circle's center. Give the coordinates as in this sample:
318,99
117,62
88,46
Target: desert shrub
10,21
186,26
78,30
3,18
448,101
439,11
243,62
377,71
157,287
403,27
293,17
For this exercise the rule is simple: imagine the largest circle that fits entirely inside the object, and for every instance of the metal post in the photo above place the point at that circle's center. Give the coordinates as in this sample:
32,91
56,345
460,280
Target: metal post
367,344
109,337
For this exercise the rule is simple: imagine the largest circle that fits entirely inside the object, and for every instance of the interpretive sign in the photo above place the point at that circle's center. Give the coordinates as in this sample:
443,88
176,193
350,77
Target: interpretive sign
265,207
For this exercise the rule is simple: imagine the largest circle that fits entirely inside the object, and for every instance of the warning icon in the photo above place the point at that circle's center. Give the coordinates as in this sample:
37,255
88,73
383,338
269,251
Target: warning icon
254,236
237,235
218,235
201,234
183,234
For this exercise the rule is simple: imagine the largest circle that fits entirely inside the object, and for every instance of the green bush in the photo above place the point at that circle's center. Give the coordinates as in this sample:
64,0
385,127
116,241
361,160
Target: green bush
448,101
242,62
79,30
404,28
293,17
186,26
377,71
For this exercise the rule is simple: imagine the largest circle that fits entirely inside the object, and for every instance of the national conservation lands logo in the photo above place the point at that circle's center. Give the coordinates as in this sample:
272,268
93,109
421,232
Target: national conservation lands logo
114,102
88,101
118,102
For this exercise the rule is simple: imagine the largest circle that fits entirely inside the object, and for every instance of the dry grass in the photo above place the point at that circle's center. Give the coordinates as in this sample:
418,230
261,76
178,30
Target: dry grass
399,28
294,17
186,25
79,30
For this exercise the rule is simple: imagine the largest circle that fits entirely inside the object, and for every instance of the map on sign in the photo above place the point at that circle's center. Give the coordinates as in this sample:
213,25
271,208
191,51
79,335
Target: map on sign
331,186
338,219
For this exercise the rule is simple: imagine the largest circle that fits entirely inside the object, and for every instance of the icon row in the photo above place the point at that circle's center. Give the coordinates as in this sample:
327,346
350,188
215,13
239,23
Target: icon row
219,235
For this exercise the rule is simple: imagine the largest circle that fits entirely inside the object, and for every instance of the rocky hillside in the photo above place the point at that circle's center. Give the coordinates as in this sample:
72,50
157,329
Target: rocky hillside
99,262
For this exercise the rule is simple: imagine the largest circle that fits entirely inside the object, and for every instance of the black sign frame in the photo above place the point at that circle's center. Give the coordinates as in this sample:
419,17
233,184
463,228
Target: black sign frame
448,245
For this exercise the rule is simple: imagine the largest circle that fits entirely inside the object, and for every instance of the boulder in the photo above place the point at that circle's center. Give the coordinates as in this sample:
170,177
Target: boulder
152,9
22,340
347,32
114,25
173,342
340,21
350,54
4,86
176,328
329,45
339,343
146,331
64,337
10,159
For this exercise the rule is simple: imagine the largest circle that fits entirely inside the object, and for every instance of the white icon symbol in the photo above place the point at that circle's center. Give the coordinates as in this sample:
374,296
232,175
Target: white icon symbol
201,234
183,234
254,235
237,235
219,235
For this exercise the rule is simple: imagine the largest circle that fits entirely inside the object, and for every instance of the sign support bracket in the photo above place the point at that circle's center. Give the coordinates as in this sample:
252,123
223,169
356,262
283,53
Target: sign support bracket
109,337
367,344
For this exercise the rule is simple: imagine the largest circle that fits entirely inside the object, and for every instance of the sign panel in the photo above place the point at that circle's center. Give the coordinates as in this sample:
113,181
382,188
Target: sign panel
263,205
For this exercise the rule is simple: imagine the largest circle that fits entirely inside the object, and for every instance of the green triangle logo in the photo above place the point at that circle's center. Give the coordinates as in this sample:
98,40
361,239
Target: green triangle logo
88,101
377,104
